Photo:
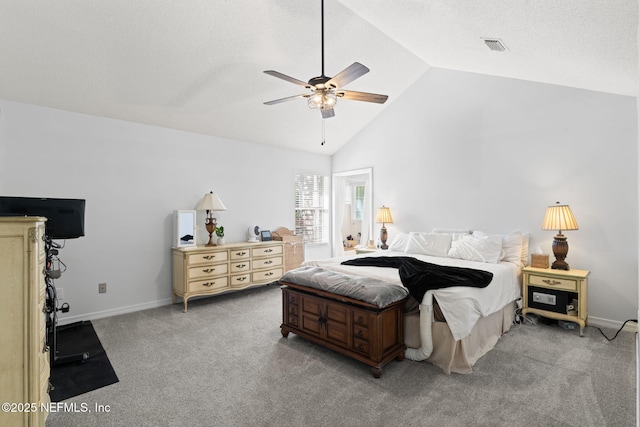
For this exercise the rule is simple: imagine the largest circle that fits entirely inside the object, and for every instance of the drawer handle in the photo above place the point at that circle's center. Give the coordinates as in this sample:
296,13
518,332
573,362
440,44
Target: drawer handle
208,270
360,319
293,300
241,253
360,334
45,349
292,310
360,347
208,256
241,279
208,284
269,262
268,250
269,273
241,265
551,282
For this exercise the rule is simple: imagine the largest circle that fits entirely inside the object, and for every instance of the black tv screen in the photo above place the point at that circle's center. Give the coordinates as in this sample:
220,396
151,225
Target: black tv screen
65,217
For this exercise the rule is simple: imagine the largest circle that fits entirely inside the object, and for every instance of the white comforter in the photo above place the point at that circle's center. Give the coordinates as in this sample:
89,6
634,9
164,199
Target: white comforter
461,306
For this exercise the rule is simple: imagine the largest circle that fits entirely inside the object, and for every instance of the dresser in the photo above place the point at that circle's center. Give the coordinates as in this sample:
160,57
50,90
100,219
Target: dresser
210,270
354,328
24,355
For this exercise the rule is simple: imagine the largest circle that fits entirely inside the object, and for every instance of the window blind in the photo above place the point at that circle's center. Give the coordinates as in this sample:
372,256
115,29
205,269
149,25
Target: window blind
312,208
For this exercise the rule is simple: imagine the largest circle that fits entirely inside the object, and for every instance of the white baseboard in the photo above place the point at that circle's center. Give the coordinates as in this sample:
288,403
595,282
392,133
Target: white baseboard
114,312
613,324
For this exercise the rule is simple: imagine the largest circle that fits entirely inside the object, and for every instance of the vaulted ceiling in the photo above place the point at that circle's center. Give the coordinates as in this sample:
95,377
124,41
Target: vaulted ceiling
197,65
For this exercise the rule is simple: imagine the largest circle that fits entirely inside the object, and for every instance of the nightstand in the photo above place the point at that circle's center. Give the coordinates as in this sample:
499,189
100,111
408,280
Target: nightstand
548,292
366,250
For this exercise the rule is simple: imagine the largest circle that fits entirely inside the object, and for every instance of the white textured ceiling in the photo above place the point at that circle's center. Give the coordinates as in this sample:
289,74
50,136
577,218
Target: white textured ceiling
197,65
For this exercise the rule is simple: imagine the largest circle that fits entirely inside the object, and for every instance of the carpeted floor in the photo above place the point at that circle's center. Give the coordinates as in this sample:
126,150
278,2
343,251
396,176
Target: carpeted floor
225,363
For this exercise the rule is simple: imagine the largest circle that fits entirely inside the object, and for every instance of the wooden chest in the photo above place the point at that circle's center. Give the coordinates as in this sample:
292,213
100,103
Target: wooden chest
354,328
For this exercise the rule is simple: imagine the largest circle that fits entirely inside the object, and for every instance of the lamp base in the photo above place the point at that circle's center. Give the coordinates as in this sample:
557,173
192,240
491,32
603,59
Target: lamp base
211,228
383,238
560,249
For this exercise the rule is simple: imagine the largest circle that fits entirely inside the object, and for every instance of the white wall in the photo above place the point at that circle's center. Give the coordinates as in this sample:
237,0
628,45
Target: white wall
133,177
468,150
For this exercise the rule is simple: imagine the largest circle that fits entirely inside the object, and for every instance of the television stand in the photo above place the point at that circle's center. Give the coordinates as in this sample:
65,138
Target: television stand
51,273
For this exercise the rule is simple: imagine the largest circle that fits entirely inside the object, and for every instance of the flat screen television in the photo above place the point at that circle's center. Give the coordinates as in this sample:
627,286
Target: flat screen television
65,217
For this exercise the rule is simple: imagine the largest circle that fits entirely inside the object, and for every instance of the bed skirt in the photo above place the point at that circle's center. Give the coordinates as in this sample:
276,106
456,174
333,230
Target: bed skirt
460,356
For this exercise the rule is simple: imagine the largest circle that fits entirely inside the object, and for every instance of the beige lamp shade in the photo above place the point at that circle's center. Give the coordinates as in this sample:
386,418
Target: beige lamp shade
211,202
384,215
559,217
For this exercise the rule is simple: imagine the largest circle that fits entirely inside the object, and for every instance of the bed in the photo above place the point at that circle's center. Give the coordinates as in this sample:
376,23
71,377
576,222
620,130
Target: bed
450,327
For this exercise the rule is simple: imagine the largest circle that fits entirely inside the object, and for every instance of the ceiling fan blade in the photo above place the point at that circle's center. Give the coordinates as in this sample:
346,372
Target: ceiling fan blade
362,96
348,75
287,78
327,113
289,98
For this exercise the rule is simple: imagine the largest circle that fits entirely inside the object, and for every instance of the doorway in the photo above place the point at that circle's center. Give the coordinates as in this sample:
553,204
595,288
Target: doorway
352,219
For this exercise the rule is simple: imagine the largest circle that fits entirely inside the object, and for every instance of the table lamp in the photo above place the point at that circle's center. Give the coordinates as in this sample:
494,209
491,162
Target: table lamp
384,216
211,202
559,217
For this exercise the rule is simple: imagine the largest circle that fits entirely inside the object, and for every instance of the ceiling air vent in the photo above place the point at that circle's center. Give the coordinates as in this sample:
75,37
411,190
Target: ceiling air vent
495,45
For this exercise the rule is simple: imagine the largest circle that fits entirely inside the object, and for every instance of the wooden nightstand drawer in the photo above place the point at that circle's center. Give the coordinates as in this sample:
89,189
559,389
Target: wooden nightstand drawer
207,270
570,285
204,258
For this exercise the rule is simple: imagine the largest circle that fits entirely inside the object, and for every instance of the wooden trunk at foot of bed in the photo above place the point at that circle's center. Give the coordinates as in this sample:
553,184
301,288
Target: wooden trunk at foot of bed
354,328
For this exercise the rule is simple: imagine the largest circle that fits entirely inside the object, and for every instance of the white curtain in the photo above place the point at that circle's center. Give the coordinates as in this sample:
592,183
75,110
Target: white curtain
339,185
366,216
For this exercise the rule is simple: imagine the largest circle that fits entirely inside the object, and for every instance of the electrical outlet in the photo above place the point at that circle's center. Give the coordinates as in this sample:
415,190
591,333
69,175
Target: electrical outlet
60,293
102,288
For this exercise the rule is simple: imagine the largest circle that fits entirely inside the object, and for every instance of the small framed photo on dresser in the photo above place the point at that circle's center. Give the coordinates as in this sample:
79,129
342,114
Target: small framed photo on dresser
265,235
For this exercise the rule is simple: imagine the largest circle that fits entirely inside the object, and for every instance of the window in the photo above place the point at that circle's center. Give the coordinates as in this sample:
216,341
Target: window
358,206
312,208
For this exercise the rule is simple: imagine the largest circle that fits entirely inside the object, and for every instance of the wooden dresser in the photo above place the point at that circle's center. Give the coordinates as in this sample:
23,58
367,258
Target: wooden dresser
202,270
354,328
24,355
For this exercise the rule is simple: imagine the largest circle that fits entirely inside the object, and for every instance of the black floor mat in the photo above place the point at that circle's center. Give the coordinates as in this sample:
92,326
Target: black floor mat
74,376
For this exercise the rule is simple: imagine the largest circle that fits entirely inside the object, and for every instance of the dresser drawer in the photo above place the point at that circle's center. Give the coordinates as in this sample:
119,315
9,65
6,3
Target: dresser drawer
240,254
553,283
266,275
207,257
267,262
207,271
269,250
360,346
361,332
209,285
241,280
240,266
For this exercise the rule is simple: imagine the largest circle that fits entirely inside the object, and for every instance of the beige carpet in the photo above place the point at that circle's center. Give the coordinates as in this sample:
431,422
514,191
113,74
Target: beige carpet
225,363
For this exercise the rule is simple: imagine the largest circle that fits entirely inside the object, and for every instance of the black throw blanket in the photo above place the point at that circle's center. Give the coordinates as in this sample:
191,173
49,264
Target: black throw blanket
419,276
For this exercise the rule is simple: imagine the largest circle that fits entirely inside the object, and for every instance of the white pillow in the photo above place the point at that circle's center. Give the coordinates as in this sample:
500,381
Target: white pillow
512,247
399,243
477,247
433,244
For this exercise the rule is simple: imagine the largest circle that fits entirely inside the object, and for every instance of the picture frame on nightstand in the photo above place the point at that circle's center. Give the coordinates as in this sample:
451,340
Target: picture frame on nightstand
184,225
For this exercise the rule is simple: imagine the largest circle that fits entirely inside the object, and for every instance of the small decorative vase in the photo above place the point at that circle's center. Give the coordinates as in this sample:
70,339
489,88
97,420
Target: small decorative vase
221,240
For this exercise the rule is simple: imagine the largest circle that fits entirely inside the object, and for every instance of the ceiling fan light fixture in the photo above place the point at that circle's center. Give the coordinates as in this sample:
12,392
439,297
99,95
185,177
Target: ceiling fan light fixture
322,100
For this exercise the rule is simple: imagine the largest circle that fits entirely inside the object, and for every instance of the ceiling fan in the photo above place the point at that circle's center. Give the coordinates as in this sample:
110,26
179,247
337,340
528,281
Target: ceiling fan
324,90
